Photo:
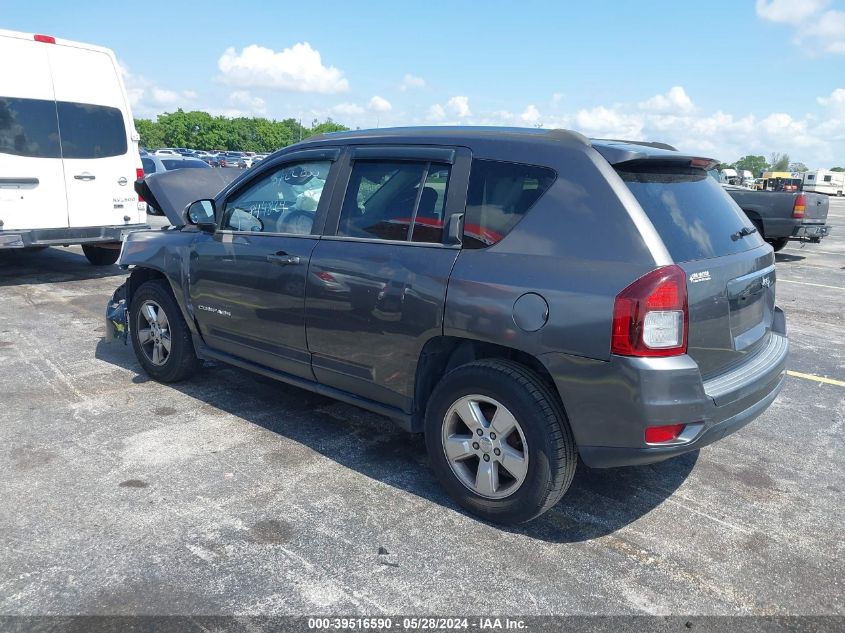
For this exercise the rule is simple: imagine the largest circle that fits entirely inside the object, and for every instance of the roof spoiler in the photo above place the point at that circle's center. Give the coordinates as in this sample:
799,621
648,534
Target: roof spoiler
655,144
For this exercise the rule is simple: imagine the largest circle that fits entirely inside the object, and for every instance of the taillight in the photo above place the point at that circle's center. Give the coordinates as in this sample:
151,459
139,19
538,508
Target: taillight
800,206
667,433
139,175
651,316
46,39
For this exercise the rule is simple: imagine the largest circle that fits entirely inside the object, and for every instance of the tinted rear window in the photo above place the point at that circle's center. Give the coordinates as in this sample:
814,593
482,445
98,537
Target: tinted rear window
182,164
499,195
91,131
691,211
148,165
28,127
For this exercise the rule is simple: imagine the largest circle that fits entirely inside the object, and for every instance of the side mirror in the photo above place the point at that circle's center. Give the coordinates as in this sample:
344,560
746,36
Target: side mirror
455,229
201,215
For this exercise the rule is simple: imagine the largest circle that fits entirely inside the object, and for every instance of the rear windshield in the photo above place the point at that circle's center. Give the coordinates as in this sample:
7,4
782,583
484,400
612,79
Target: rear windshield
91,131
183,164
29,127
694,216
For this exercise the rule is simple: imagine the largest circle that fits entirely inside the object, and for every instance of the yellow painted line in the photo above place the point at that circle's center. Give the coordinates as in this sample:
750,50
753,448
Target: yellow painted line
807,283
822,379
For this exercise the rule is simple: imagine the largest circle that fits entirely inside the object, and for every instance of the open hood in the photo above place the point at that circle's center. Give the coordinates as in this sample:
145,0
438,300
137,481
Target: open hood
171,191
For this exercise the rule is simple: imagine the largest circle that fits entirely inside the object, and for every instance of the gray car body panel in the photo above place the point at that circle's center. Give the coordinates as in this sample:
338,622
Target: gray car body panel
561,266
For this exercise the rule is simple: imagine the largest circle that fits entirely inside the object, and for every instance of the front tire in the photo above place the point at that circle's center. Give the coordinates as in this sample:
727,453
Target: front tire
99,256
499,442
160,337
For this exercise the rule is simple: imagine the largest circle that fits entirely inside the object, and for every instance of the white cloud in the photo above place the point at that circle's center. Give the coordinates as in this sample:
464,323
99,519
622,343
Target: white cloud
298,68
347,109
146,98
836,98
459,106
789,11
379,104
676,100
243,99
530,116
436,113
816,31
410,82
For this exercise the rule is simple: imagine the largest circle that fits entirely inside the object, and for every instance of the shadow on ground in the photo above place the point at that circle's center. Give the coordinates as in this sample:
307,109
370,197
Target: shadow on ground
598,503
50,265
782,258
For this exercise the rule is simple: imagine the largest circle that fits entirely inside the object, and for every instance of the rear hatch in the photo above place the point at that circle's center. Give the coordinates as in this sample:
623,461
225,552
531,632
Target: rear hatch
730,270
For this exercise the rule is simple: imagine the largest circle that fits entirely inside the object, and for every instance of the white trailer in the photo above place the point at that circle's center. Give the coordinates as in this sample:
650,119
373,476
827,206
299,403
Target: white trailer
824,181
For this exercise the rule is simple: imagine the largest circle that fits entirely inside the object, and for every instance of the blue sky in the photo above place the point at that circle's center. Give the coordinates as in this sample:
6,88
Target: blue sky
726,77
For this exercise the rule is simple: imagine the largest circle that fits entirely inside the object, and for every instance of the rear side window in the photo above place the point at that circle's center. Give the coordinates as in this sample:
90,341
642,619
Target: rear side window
694,216
91,131
499,195
395,200
28,127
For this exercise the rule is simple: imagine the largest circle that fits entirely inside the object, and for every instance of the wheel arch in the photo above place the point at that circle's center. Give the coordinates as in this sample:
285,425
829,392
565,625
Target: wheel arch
142,274
442,354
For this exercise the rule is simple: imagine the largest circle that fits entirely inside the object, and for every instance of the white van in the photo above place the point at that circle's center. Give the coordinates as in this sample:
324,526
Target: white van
825,181
68,148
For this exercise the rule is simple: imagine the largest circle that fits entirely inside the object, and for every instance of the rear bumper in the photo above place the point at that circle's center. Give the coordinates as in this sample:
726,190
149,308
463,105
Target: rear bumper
810,232
610,403
66,236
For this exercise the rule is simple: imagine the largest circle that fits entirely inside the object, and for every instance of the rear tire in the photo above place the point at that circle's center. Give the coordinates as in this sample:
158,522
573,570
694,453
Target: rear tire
779,244
99,256
507,478
160,337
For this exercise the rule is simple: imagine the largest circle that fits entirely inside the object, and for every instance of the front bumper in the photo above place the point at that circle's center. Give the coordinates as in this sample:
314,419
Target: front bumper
66,236
609,404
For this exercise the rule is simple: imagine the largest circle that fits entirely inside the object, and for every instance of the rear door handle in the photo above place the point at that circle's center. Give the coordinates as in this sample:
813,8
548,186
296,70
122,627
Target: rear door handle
283,259
84,176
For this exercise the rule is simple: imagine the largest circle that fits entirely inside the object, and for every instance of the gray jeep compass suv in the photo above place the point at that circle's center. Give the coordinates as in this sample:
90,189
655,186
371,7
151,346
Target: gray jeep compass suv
523,297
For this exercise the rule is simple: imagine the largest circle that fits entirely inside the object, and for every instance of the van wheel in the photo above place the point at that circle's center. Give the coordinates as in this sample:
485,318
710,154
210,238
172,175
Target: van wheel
100,256
499,442
779,244
160,336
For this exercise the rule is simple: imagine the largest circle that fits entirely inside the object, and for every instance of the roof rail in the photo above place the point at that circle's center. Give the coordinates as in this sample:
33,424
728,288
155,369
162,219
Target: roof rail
655,144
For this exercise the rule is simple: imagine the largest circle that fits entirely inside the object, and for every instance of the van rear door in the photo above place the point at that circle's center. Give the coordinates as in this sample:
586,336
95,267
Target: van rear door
100,158
32,183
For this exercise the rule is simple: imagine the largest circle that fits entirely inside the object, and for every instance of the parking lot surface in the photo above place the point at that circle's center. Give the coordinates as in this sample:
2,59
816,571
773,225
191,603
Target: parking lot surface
231,494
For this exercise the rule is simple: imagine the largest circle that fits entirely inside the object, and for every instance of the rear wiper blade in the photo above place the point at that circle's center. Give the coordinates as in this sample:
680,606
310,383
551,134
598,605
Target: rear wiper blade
743,232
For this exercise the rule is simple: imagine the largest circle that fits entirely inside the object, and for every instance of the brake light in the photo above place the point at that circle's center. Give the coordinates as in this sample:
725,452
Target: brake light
667,433
46,39
139,175
651,316
800,206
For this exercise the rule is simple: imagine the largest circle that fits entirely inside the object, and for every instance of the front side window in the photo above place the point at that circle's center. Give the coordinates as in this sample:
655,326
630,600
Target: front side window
499,195
395,200
283,201
91,131
29,127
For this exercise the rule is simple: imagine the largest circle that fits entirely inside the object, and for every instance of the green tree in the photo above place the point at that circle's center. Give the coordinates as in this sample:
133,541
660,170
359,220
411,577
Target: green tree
798,166
325,127
755,164
837,169
779,162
